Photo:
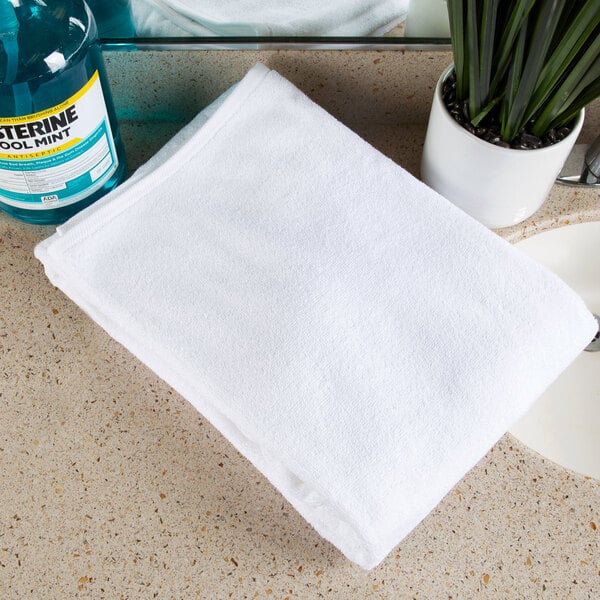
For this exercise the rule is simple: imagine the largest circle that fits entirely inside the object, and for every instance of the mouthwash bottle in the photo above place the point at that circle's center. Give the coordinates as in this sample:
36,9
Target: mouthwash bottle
60,147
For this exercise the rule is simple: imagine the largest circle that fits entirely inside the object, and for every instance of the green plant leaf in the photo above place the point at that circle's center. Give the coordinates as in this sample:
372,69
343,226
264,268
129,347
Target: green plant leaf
517,13
475,99
583,27
489,15
456,17
545,25
588,95
485,111
514,79
582,75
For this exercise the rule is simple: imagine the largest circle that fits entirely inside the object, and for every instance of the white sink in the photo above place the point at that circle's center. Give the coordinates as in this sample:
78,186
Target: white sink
564,424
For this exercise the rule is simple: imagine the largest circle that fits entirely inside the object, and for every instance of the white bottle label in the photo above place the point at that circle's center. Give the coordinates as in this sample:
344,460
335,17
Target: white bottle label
60,155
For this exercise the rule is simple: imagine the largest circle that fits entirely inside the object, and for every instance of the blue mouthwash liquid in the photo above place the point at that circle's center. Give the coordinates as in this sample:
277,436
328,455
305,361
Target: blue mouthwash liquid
60,147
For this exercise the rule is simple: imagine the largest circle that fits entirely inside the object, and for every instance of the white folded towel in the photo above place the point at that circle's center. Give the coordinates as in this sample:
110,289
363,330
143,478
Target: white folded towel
267,17
360,339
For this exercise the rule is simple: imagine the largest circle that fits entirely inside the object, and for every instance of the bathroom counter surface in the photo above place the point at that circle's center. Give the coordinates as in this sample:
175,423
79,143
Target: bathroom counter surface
113,486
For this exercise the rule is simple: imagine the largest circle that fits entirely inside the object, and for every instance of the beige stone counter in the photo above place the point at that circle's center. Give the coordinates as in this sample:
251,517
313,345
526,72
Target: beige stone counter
113,486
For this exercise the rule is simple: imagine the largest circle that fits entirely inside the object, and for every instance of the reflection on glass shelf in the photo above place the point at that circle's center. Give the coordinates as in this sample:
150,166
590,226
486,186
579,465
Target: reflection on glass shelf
113,17
428,18
309,22
201,18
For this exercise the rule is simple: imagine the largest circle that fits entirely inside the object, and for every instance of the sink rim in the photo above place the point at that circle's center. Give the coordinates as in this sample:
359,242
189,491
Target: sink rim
542,428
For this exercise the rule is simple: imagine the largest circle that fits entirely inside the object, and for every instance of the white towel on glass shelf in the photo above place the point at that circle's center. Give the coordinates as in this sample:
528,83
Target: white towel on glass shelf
360,339
153,20
268,17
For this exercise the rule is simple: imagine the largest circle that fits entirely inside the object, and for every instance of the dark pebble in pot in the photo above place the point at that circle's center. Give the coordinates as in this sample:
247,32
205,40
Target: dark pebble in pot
530,140
550,137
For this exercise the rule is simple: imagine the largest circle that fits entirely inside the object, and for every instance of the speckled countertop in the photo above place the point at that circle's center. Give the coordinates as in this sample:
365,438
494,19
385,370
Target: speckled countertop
113,486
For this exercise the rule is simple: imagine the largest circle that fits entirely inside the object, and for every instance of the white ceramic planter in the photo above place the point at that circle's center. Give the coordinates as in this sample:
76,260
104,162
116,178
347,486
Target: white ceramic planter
497,186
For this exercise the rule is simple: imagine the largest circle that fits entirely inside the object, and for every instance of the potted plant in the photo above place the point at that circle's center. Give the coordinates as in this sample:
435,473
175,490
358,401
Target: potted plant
507,113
